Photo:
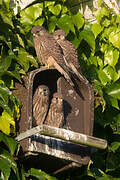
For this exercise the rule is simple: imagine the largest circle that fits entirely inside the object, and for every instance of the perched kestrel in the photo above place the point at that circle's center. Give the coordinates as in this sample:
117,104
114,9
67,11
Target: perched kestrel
49,52
40,104
55,115
70,53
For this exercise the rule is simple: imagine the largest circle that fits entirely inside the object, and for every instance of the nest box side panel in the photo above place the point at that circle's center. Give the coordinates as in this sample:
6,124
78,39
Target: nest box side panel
21,93
78,106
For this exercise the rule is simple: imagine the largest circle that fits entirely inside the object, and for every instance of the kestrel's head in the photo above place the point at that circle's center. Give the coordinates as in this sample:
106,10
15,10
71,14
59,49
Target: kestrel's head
59,34
57,98
38,31
43,90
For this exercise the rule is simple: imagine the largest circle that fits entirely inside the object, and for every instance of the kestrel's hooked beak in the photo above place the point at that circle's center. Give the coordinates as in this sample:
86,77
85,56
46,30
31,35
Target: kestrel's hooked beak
41,91
62,37
34,35
60,100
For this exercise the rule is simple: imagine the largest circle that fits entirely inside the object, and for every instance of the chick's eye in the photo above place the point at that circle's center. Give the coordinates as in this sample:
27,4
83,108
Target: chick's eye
45,90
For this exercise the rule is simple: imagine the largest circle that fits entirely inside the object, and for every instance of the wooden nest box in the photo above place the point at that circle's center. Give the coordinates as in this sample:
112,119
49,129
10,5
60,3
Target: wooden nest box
78,114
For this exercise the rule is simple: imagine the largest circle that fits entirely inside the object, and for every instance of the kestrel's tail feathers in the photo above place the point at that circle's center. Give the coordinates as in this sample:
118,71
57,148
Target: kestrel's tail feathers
78,74
61,68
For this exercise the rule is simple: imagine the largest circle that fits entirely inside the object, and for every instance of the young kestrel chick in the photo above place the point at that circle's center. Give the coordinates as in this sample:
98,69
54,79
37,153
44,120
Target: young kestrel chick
56,114
40,104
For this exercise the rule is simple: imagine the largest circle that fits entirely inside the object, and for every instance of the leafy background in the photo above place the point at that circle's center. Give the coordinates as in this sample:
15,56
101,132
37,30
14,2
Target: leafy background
98,47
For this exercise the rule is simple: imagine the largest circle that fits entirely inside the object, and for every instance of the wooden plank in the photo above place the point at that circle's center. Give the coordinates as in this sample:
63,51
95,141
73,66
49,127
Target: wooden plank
65,135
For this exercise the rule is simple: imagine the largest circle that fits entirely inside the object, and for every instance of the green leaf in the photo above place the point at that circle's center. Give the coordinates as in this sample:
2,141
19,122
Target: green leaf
49,3
65,23
39,21
113,90
93,60
111,73
96,29
5,121
8,159
5,168
24,58
30,14
10,142
55,9
113,102
7,61
4,93
114,38
111,56
102,12
99,2
114,146
106,33
5,106
104,76
40,174
78,20
14,74
52,24
76,42
21,42
64,9
88,36
6,19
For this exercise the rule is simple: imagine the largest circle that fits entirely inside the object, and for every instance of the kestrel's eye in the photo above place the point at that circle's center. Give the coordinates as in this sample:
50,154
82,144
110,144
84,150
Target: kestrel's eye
45,91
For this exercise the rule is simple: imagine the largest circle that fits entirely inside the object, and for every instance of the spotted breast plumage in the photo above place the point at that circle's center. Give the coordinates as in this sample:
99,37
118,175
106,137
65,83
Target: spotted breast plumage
49,51
56,114
40,104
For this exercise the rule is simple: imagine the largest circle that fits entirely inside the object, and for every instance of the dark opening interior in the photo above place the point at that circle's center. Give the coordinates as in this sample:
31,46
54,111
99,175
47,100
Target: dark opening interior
47,77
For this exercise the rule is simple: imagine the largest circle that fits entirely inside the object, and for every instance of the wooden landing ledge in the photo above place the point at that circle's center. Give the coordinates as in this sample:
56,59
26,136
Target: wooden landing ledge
65,135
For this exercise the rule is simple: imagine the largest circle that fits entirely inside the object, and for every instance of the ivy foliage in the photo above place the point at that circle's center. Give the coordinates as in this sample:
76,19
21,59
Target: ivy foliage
98,47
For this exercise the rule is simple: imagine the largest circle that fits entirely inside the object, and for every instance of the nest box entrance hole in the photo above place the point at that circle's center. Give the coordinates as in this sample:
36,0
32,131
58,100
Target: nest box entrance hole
47,77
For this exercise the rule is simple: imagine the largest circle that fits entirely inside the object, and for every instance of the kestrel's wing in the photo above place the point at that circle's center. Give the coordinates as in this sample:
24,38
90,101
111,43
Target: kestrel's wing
51,48
61,68
79,75
70,52
37,45
71,59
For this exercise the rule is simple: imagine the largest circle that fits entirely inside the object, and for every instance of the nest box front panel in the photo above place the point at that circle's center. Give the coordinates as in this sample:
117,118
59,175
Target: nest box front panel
78,115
